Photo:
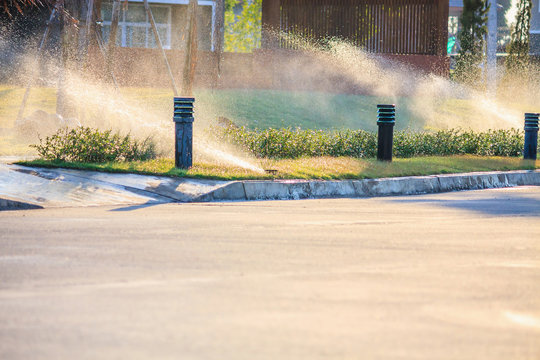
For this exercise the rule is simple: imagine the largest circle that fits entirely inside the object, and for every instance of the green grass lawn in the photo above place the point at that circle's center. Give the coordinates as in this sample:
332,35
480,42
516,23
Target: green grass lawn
268,108
308,110
41,98
10,101
311,168
251,108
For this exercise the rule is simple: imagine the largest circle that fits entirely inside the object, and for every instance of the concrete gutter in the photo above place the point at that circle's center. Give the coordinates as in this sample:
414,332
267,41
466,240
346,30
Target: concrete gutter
24,187
7,203
64,188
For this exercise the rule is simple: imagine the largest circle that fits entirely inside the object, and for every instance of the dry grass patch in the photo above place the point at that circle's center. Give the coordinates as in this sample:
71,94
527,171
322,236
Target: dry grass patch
324,168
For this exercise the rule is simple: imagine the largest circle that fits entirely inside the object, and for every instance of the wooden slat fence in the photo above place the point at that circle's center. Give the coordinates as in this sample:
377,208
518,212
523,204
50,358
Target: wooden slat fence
380,26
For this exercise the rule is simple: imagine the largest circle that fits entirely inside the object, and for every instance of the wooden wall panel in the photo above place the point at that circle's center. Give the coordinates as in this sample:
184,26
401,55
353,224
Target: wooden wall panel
380,26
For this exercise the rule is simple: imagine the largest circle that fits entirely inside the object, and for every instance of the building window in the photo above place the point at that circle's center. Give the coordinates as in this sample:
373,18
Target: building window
134,29
171,17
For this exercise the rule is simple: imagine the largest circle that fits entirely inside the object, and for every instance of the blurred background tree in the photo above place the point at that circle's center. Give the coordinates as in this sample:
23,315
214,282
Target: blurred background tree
472,40
242,25
517,62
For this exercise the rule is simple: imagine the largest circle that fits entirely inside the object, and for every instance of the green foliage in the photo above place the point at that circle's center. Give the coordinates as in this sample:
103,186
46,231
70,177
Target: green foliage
518,49
243,32
295,143
456,142
84,144
471,38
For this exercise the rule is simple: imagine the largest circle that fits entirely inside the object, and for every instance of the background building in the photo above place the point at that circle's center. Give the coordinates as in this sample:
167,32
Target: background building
535,28
171,19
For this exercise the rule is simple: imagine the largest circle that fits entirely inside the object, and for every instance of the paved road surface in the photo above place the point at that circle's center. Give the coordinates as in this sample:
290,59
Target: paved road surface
449,276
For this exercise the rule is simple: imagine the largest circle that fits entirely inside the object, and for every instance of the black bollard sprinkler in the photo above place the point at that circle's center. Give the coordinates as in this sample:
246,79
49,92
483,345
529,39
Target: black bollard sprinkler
386,119
531,136
183,130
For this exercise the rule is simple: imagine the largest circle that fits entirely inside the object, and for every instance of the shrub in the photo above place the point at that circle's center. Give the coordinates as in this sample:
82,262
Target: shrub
84,144
294,143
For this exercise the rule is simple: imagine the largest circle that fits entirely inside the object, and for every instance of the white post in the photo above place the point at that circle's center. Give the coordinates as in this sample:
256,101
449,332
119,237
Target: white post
491,48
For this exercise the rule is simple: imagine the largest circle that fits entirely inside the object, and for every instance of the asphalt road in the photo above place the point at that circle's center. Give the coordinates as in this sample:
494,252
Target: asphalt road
447,276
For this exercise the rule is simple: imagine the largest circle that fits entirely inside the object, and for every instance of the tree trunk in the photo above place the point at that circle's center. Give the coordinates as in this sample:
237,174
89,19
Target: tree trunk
53,15
69,13
191,51
111,46
219,33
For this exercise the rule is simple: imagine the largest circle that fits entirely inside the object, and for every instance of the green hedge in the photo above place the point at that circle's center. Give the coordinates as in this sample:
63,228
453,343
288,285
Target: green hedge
294,143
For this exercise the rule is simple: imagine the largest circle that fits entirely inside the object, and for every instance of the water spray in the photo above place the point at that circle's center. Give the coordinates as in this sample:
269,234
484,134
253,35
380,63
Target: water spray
183,130
531,136
386,119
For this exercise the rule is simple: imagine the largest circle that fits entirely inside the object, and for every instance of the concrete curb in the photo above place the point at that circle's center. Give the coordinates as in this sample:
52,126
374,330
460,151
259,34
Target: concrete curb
410,185
35,188
10,204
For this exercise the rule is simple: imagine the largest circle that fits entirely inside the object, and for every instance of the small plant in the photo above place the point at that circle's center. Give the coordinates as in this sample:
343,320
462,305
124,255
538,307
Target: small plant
84,144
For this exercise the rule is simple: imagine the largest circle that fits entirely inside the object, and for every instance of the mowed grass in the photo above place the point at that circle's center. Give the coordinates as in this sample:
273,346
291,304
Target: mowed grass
259,108
308,110
41,98
323,168
10,102
253,108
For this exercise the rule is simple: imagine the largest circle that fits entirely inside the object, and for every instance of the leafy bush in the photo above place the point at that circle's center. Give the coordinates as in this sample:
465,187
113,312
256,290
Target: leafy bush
294,143
84,144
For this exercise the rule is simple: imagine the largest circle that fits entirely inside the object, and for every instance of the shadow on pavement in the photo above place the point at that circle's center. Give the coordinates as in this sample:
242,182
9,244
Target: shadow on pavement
507,205
139,206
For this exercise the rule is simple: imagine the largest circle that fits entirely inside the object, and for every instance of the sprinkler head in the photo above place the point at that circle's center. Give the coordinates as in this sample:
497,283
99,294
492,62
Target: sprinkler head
271,171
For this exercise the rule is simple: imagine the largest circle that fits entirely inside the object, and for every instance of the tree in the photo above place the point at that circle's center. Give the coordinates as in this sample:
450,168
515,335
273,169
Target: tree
472,40
242,31
518,49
